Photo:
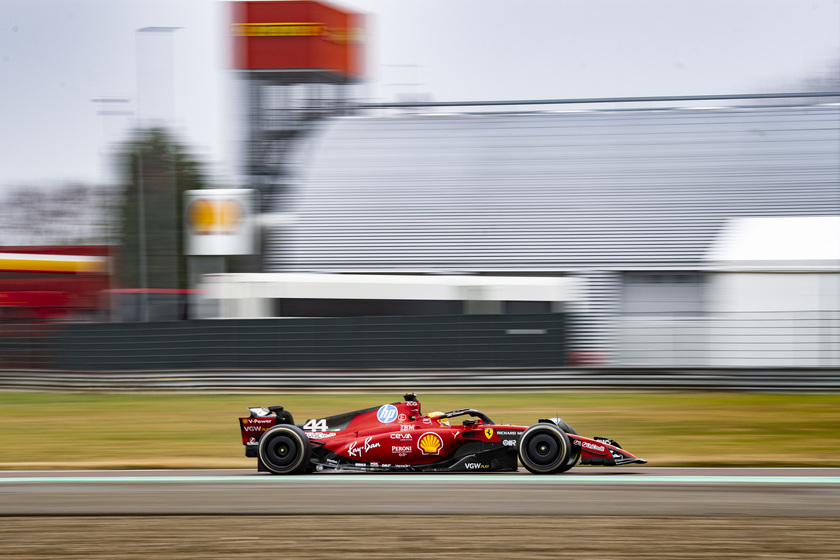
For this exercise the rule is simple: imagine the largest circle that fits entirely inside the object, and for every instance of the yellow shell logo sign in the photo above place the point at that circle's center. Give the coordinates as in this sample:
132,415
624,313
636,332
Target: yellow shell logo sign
488,433
207,216
430,444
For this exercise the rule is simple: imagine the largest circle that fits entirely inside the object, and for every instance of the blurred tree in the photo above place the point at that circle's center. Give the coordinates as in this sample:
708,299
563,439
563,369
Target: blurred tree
156,170
826,80
69,214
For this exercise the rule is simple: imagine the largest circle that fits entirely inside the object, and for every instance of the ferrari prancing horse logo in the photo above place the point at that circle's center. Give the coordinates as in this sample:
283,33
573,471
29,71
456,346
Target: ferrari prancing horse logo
488,433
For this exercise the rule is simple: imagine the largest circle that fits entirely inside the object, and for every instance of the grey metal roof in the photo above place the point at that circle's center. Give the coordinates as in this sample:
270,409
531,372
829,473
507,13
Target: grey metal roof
566,191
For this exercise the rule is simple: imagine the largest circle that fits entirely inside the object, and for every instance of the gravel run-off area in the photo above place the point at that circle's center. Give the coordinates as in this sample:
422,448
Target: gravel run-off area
441,537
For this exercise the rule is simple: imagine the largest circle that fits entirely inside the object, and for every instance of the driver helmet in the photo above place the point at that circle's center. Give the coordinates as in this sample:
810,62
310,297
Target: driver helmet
437,416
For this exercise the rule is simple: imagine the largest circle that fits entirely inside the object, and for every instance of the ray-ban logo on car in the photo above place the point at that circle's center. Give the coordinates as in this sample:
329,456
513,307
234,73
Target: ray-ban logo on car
386,413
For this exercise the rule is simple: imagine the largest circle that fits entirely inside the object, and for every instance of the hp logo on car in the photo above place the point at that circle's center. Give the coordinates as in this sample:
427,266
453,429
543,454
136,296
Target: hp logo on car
387,413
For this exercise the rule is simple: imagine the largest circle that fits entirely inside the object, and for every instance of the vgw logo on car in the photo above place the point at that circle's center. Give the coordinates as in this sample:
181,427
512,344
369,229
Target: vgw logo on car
386,413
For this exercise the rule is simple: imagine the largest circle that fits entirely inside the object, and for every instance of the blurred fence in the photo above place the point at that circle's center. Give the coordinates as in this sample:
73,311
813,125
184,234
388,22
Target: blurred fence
458,341
767,352
766,339
28,345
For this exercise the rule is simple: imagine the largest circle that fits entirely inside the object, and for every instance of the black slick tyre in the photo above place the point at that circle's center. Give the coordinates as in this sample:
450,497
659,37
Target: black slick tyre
574,456
566,428
285,449
570,462
545,449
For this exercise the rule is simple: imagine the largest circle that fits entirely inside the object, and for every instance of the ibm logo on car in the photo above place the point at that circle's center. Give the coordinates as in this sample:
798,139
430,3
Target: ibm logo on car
387,413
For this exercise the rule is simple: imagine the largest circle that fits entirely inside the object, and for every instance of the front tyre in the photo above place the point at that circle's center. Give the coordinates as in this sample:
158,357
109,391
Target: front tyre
545,449
574,456
285,449
565,427
570,462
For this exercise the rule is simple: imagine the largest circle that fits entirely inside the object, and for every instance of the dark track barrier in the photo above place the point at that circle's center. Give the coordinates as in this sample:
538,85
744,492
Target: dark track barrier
458,341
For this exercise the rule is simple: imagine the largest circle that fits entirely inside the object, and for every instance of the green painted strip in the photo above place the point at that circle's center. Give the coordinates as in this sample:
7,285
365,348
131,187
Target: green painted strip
432,479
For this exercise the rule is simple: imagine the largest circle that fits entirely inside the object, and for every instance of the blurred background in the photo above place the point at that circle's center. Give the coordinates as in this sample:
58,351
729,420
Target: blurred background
373,184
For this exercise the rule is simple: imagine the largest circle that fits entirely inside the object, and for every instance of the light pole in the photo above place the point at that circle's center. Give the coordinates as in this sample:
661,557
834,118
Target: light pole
162,68
110,107
155,74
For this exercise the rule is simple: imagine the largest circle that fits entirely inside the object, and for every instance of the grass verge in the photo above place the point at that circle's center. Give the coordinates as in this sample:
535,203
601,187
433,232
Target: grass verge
72,430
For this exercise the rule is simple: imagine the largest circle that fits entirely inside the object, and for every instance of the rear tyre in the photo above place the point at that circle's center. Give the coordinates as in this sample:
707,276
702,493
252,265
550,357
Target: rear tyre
285,449
545,449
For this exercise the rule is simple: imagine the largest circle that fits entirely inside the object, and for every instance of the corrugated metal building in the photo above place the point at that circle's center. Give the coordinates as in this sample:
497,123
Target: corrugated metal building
630,200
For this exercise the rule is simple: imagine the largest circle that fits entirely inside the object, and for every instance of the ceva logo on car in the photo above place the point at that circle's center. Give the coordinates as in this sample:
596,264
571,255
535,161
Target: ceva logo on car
386,413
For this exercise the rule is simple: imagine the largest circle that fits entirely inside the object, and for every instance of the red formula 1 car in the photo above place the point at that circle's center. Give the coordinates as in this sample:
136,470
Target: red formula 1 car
398,437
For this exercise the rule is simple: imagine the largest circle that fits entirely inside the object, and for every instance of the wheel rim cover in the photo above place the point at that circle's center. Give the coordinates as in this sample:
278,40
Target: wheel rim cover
281,451
543,449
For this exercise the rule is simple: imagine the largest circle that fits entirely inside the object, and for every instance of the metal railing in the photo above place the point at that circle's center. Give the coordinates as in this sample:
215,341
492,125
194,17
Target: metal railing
758,339
599,100
787,380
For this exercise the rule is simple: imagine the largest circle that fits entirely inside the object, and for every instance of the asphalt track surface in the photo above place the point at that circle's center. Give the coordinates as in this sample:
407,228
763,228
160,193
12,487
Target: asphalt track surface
620,491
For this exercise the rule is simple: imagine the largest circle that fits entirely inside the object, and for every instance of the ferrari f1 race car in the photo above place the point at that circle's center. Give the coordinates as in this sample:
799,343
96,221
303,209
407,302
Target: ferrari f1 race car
398,437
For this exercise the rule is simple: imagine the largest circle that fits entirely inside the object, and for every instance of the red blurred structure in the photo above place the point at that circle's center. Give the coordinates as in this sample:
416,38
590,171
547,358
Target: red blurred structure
53,282
297,37
298,62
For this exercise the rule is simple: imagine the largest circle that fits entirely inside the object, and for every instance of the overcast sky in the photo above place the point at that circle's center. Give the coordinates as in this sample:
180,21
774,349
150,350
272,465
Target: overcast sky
56,56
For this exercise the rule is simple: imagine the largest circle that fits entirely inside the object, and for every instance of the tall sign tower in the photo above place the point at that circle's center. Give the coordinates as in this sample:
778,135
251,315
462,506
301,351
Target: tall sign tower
296,60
